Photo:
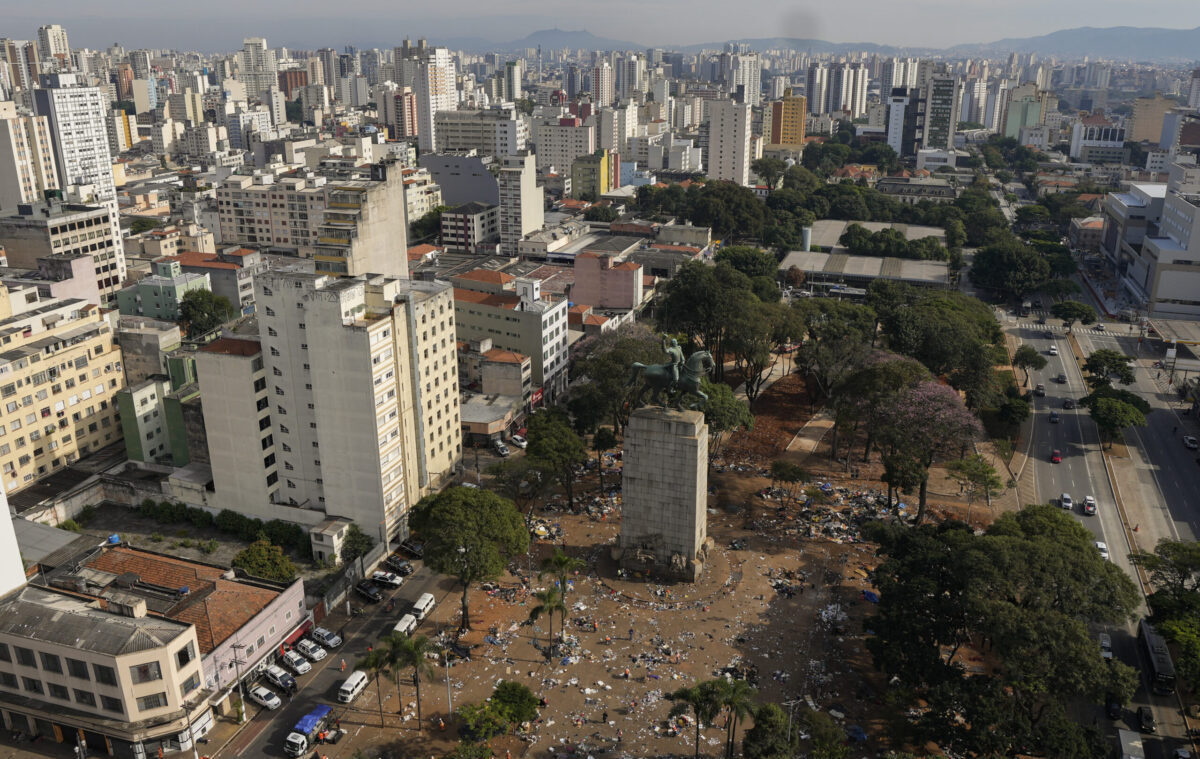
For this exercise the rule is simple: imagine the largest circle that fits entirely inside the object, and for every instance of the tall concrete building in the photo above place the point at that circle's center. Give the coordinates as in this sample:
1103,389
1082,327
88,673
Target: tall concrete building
20,59
27,166
560,143
52,43
603,91
729,155
1146,123
817,88
257,67
37,231
745,72
514,75
347,406
788,118
498,130
848,89
78,118
436,90
942,104
522,202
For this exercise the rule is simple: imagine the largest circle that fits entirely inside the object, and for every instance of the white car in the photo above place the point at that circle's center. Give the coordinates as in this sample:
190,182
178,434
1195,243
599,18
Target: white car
1089,506
1190,442
1102,547
326,638
1105,646
296,662
518,441
1053,350
264,696
390,579
311,650
1065,501
279,678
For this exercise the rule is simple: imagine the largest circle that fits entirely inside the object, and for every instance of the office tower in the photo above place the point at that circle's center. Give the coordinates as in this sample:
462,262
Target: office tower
788,116
942,98
996,99
498,130
898,104
1025,106
602,84
329,66
1148,115
1193,91
560,142
257,67
572,81
52,43
817,88
745,73
728,155
368,65
316,70
21,60
514,74
27,167
140,61
897,72
436,90
78,117
347,404
522,202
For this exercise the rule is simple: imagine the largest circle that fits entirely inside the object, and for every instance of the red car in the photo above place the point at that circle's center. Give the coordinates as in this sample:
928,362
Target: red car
1056,457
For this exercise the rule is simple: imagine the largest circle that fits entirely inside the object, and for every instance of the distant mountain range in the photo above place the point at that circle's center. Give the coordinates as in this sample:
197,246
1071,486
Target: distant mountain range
1120,43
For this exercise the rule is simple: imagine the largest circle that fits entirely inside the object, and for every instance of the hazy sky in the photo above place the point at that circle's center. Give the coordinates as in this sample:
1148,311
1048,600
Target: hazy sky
213,25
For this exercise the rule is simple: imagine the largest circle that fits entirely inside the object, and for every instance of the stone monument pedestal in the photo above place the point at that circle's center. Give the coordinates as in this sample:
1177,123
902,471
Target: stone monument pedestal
664,493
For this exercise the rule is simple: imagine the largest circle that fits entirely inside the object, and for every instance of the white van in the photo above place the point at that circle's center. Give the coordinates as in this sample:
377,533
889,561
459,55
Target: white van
406,625
423,606
352,687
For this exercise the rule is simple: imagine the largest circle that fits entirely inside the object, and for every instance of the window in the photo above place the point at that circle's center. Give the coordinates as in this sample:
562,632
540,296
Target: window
105,675
145,673
25,657
60,692
51,663
5,655
32,685
110,704
153,701
190,685
78,669
85,698
8,680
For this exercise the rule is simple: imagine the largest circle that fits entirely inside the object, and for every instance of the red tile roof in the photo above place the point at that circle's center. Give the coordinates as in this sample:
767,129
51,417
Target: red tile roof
201,260
628,266
486,299
505,357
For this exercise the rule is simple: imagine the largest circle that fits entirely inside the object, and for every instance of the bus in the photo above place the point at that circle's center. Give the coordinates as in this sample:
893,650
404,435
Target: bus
1162,670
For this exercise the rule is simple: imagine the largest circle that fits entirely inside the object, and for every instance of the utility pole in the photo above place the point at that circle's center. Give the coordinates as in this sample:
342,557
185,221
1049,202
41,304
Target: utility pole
237,664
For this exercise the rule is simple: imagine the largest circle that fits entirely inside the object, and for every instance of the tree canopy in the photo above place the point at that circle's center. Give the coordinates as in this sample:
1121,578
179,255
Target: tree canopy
262,559
555,448
1009,267
202,311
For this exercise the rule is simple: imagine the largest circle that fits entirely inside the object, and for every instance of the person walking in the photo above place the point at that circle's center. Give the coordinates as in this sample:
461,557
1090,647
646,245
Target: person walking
604,717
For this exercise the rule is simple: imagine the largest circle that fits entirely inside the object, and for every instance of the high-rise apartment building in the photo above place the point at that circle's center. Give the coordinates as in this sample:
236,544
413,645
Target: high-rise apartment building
522,202
942,103
603,91
745,73
788,117
436,90
139,60
848,89
728,156
78,117
514,75
560,143
817,88
27,168
52,43
346,406
498,130
257,67
20,58
36,231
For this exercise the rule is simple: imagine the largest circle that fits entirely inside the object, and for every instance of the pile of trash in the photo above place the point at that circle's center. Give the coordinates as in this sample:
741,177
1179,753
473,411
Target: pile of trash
544,529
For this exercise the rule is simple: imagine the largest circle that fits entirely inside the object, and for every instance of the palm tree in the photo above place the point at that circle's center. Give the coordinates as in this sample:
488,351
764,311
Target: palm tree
404,652
561,566
549,601
737,697
375,662
702,699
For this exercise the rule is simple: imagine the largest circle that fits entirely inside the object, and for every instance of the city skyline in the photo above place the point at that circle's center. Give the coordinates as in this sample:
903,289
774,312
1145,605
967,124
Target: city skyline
918,24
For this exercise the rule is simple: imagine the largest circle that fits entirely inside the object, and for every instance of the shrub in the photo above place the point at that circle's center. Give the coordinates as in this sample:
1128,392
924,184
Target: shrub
70,524
157,537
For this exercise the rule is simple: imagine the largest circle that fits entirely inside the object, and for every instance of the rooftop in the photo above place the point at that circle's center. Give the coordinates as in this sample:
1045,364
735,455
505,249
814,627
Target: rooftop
487,275
233,347
840,265
505,357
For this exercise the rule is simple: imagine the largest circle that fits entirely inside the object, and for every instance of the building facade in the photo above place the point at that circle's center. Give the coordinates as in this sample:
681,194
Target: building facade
37,231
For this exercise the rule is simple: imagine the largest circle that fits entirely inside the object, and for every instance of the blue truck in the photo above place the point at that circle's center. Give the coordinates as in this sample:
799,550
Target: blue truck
304,733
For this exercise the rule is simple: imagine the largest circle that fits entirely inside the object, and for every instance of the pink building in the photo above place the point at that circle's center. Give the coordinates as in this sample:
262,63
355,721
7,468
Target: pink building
601,283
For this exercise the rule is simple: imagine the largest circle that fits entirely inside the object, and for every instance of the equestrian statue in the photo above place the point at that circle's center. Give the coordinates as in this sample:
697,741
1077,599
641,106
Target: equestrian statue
677,377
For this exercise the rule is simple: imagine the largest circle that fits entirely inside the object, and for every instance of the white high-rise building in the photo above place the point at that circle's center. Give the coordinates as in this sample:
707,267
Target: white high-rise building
560,142
78,120
514,75
139,61
52,42
817,88
1193,92
729,153
848,89
897,106
603,91
258,68
522,202
745,71
897,72
27,167
436,90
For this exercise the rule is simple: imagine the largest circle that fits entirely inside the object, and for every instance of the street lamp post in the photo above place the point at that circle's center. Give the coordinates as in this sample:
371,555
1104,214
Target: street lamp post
237,664
187,716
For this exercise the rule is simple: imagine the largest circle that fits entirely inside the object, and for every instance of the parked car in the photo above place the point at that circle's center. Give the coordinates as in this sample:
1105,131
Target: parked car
1068,403
1106,646
1190,442
264,696
1054,417
518,441
368,590
1040,390
399,565
1056,456
296,662
1053,350
326,638
416,549
1065,501
1102,547
501,448
1112,707
311,650
1089,506
279,678
1061,379
1146,719
391,579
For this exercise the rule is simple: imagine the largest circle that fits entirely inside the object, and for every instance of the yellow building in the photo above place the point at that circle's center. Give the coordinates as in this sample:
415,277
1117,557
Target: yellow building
592,175
1148,114
787,120
60,370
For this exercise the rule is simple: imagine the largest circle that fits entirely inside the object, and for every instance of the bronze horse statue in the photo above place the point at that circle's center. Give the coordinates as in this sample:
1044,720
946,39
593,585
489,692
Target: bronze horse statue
661,378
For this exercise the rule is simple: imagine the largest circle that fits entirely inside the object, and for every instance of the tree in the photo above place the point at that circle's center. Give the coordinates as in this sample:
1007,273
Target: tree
261,559
771,737
601,391
1027,357
514,702
481,721
1116,393
1112,416
789,475
1009,267
376,663
826,739
1032,215
140,225
356,544
561,566
928,422
603,440
429,226
518,479
294,111
1105,365
769,170
724,413
470,534
202,311
599,213
749,260
1071,311
556,449
737,699
1058,288
703,700
750,338
404,652
976,478
549,601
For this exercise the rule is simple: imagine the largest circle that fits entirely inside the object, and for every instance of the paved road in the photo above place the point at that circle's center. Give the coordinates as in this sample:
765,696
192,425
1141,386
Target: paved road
266,731
1083,473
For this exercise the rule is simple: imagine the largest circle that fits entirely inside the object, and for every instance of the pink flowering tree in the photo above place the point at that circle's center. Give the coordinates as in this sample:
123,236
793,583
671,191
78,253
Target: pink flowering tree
927,422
